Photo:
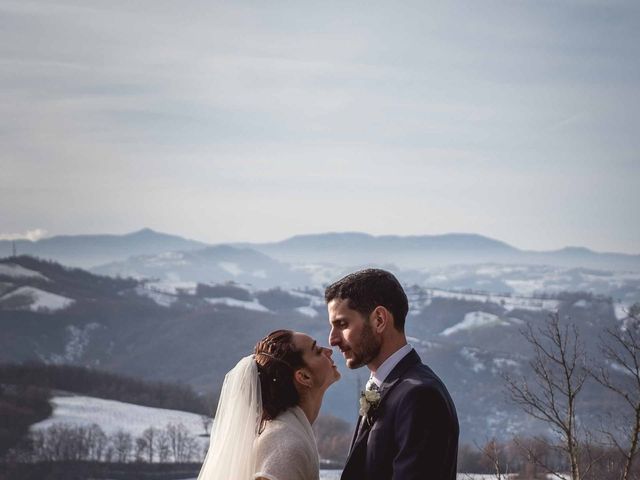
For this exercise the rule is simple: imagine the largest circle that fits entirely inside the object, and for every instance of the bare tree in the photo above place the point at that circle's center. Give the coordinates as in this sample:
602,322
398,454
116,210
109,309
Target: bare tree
493,454
559,373
207,421
141,448
163,446
96,442
178,441
621,351
149,435
122,444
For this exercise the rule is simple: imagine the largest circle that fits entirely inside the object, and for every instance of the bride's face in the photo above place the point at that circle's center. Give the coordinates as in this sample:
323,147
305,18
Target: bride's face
320,366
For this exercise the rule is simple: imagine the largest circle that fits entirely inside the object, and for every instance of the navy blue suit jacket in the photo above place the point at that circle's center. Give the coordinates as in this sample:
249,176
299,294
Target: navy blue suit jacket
412,434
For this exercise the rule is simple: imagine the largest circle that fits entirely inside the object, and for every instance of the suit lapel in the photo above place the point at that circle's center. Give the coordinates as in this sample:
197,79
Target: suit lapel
362,428
355,433
409,360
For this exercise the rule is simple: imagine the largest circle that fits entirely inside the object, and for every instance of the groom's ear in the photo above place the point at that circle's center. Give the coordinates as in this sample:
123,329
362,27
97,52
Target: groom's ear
381,319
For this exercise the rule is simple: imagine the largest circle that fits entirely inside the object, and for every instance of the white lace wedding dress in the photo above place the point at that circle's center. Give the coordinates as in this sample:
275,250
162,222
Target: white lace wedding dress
286,449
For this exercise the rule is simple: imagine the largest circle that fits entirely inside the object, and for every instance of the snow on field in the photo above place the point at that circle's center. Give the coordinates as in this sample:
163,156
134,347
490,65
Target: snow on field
474,320
232,302
314,300
582,303
172,286
40,300
621,310
161,298
507,302
231,268
308,311
112,416
335,475
472,356
320,274
16,271
79,338
166,259
484,476
501,364
425,344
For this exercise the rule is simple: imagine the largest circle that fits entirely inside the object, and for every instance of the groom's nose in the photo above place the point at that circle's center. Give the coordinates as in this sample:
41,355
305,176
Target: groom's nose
334,338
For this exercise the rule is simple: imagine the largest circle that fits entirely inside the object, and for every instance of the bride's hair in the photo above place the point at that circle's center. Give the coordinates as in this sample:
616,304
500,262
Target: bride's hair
277,359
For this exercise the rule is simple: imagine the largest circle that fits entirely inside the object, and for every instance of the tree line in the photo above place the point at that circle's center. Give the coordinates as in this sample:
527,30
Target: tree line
63,442
528,458
112,386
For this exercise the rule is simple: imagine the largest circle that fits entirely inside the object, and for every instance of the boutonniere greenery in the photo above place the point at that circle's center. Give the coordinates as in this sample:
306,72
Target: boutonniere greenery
369,400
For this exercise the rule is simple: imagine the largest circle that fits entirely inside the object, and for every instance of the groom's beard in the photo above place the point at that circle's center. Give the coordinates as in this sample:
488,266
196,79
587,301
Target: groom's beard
368,348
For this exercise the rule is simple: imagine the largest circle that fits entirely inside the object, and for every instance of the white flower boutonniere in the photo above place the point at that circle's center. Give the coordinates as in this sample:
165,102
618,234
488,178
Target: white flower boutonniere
369,399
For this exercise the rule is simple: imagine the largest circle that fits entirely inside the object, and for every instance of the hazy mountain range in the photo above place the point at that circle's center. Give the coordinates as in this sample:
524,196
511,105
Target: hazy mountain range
196,333
456,261
345,249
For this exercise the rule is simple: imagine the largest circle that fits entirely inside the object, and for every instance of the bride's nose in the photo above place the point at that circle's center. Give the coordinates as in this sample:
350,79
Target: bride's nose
328,351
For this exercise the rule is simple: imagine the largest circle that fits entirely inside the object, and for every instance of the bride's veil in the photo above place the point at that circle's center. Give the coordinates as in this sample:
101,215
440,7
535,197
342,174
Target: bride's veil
230,455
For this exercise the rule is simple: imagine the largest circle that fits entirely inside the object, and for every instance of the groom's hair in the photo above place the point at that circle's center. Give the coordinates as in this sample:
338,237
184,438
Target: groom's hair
367,289
277,359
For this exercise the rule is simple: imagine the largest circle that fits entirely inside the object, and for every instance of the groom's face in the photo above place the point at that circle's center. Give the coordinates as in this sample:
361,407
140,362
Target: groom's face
352,333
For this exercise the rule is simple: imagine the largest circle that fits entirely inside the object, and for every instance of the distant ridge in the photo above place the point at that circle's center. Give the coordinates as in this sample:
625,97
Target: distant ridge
428,251
345,249
91,250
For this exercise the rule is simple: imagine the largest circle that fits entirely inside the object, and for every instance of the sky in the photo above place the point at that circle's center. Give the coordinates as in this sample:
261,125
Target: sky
256,121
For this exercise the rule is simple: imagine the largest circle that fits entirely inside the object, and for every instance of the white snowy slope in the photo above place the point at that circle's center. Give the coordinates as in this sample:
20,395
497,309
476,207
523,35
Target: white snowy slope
471,355
161,298
474,320
621,310
231,268
232,302
40,300
16,271
113,416
172,286
308,311
507,302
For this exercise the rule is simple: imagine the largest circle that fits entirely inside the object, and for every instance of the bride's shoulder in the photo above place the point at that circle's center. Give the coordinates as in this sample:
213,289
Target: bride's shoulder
284,428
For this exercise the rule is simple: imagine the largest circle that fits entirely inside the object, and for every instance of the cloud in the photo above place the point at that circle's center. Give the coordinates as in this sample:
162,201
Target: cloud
32,235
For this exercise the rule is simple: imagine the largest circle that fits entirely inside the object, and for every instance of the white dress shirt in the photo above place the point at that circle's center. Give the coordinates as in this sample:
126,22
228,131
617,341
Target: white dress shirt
389,364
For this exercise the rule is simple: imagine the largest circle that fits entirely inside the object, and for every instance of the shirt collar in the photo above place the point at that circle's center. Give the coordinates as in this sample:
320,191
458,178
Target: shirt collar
385,369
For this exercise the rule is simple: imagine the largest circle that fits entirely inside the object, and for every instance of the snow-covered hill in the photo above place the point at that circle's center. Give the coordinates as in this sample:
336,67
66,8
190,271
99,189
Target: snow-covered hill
35,299
113,416
172,330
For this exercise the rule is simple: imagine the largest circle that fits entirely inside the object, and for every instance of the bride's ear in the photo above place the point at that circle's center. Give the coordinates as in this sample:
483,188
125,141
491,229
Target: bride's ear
303,377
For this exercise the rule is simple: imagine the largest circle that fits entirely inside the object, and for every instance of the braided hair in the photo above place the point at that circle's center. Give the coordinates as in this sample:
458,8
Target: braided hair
277,360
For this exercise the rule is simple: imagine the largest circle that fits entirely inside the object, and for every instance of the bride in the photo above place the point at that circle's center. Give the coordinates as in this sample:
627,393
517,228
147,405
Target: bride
267,405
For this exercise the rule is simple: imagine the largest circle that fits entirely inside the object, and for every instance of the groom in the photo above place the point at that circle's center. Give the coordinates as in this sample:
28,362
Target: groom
408,427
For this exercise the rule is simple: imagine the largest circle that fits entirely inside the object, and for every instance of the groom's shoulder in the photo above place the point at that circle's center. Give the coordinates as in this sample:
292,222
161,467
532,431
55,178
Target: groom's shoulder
420,389
420,380
420,376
